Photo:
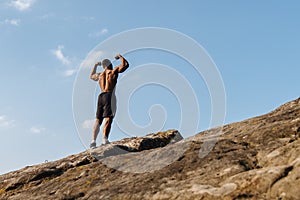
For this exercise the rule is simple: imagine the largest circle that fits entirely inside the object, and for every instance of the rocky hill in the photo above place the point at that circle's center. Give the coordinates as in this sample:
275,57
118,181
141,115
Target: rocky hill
257,158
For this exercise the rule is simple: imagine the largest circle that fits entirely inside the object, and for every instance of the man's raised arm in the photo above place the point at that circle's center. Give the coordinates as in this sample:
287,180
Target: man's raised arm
95,76
124,64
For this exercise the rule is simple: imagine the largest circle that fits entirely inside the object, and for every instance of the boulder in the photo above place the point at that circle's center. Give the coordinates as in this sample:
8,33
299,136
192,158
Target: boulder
258,158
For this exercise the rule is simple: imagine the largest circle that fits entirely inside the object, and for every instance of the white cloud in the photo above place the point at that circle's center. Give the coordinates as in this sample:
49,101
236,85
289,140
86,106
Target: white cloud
7,123
99,33
22,5
37,129
69,72
14,22
88,124
58,53
60,56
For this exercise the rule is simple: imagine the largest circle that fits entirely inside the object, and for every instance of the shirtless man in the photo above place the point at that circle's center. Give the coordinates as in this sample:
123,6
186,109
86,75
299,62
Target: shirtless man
107,81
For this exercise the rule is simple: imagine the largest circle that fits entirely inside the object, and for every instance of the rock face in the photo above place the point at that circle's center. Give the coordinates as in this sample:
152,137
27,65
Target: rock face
257,158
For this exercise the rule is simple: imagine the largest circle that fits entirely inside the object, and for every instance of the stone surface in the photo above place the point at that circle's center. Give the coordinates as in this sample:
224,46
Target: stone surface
258,158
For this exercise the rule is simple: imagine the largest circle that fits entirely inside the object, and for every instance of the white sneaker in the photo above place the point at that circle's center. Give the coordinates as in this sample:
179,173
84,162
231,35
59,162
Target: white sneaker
93,145
105,141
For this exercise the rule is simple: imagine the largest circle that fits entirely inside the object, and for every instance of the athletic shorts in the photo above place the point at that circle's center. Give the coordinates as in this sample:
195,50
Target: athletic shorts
105,107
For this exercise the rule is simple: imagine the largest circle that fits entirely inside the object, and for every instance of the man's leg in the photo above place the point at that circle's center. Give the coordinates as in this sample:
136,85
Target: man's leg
96,129
106,129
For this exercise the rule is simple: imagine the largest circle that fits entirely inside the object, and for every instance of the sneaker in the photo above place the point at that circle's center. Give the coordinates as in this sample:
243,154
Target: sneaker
105,141
93,145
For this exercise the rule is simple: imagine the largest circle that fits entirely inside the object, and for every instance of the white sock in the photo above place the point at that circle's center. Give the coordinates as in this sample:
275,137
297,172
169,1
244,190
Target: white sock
93,141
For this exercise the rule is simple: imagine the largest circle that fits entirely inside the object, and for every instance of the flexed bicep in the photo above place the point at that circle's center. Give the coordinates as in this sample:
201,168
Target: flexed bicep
95,76
124,64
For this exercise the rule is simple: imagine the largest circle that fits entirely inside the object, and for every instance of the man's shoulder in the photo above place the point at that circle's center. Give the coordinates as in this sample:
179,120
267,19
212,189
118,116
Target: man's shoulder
115,70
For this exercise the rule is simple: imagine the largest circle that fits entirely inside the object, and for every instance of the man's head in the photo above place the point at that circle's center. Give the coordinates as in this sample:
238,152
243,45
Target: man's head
106,64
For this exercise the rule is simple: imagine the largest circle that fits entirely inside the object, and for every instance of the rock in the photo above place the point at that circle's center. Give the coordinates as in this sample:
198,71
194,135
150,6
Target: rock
258,158
213,191
128,145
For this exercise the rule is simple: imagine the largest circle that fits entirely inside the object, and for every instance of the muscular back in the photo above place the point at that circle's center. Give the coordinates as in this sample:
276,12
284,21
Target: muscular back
108,80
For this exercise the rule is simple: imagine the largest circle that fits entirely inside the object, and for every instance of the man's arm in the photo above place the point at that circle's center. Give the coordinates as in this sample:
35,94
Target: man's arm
95,76
124,64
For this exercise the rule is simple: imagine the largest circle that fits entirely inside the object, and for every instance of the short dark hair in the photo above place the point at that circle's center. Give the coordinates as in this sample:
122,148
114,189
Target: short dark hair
106,64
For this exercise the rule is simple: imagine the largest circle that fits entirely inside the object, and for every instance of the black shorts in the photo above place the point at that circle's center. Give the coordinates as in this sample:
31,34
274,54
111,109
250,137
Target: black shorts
106,106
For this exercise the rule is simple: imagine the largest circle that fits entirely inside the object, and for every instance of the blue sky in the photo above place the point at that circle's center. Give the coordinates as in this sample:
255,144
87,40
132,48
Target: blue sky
255,45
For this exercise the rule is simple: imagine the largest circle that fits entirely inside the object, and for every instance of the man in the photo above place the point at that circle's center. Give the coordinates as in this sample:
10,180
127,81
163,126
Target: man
107,81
